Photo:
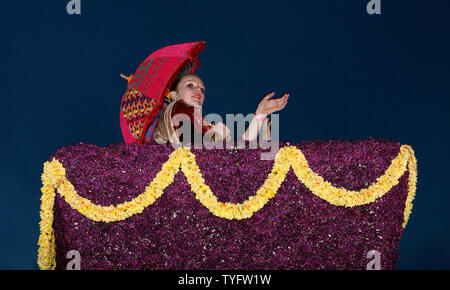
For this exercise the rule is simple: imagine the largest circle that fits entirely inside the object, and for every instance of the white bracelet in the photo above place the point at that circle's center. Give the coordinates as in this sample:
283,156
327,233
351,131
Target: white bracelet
260,117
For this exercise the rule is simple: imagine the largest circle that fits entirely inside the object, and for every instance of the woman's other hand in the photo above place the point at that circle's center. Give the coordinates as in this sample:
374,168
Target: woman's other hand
222,130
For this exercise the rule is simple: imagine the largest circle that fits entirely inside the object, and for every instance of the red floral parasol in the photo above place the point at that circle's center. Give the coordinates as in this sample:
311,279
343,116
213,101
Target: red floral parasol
143,100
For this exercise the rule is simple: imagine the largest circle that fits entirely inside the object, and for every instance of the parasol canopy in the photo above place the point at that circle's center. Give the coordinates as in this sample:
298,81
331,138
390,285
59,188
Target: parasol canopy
143,101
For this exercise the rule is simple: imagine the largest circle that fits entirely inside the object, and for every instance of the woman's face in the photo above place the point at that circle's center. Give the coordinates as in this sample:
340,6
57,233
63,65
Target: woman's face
191,90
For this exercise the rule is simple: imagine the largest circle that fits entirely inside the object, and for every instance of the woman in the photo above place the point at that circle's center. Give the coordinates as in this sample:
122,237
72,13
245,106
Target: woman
187,95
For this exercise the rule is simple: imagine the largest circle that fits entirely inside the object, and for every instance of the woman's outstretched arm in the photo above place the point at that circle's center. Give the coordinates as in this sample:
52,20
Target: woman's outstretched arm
265,107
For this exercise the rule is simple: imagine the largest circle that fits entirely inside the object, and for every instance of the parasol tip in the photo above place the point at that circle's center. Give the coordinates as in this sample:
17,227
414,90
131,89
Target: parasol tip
127,78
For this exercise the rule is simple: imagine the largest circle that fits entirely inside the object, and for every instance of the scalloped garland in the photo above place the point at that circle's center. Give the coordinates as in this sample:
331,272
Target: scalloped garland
54,177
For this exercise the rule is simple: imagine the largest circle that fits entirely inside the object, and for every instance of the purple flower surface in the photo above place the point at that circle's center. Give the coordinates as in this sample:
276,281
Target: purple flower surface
294,230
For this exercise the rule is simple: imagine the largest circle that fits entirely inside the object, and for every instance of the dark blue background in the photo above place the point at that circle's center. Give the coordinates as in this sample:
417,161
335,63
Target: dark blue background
350,75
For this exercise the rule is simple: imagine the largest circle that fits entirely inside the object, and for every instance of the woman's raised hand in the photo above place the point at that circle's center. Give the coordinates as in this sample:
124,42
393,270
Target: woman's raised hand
267,106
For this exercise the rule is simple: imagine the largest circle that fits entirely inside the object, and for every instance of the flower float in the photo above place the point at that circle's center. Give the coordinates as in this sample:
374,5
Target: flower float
318,205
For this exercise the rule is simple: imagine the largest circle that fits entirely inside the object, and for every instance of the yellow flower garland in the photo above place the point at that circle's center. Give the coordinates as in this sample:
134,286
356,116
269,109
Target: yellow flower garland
54,177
